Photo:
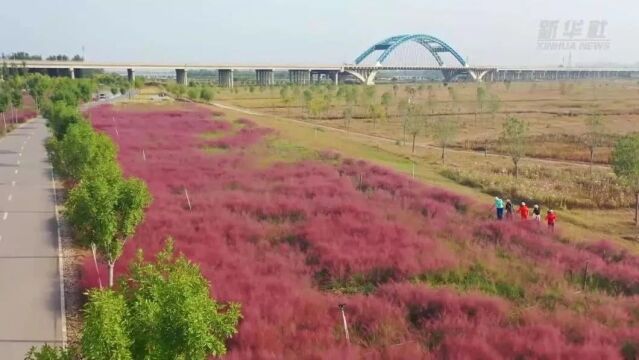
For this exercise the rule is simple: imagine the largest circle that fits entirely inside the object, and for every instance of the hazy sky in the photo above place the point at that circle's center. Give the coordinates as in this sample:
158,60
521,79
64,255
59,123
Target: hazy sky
498,32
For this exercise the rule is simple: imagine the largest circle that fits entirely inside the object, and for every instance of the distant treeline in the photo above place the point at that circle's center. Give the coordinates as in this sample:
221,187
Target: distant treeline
22,55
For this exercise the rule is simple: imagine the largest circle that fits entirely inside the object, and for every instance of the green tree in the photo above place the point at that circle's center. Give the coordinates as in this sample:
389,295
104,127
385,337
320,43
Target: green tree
348,116
352,95
138,83
207,93
48,352
15,96
386,101
179,90
375,112
4,104
368,94
594,136
452,94
193,93
297,94
115,90
105,334
625,163
507,84
493,103
285,96
308,98
37,85
410,91
316,106
328,102
444,131
431,98
83,152
413,126
64,92
405,110
514,140
173,314
85,88
481,96
106,212
61,116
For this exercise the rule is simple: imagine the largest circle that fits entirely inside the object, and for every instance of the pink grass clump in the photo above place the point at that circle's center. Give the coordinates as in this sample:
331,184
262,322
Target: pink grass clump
286,239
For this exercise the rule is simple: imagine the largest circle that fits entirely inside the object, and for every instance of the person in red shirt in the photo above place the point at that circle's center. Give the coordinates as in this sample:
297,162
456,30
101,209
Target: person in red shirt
551,218
523,211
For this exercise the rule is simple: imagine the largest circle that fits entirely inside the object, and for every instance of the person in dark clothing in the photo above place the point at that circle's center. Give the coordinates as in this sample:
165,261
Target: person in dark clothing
509,209
537,213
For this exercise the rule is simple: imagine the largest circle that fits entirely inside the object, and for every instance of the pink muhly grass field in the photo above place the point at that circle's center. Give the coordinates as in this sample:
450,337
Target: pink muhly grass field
277,239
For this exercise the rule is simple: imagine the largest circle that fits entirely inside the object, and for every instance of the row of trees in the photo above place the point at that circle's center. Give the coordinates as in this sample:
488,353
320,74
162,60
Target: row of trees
103,207
22,55
161,310
11,101
624,159
193,91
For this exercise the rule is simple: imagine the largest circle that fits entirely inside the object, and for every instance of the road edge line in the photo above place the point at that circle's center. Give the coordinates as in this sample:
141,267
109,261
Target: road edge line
63,311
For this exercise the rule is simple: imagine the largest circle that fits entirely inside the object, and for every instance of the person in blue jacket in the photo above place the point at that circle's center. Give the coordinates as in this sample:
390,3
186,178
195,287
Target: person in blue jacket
499,205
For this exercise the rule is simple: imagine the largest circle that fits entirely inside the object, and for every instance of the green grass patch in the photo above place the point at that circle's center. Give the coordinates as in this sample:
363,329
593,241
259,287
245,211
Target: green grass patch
590,281
213,135
476,277
285,150
356,284
213,150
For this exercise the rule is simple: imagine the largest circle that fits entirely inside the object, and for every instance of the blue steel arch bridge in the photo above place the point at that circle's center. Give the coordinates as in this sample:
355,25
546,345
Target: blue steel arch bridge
432,53
430,46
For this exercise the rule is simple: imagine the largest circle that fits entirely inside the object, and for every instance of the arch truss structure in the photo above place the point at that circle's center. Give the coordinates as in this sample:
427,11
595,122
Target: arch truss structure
432,46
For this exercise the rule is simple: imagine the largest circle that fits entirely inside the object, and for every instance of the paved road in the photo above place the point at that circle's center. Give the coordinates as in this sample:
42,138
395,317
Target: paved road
30,288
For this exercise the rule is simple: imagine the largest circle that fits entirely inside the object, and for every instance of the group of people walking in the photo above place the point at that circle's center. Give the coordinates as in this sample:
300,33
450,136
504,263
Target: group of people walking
507,210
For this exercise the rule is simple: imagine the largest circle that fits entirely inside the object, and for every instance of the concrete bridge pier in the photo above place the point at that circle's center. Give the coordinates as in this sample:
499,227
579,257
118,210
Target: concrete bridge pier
59,72
181,77
264,77
300,77
225,78
334,77
315,77
77,73
130,75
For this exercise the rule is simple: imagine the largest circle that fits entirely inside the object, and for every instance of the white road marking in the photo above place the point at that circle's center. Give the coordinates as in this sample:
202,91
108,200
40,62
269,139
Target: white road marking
20,154
63,311
18,162
10,197
4,217
13,183
15,171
